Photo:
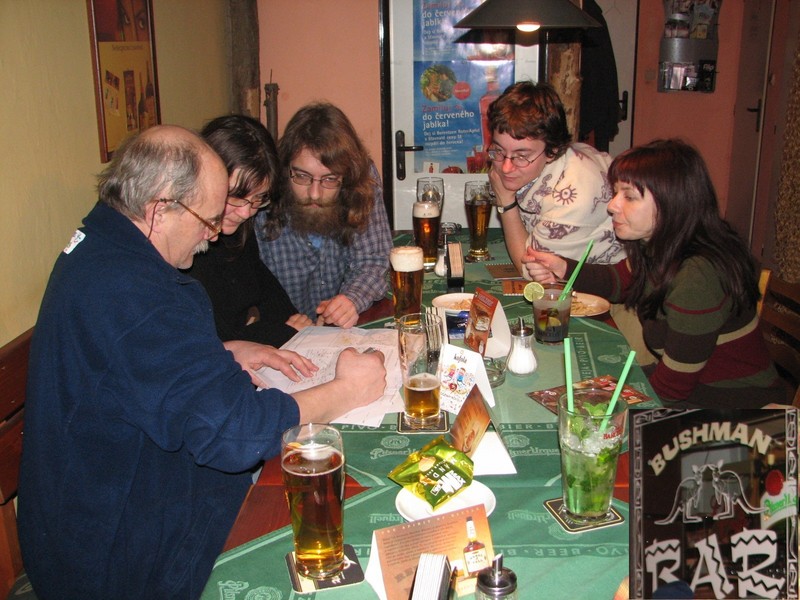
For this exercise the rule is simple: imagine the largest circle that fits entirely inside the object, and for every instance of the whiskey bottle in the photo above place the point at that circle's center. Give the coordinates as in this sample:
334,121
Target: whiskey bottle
475,557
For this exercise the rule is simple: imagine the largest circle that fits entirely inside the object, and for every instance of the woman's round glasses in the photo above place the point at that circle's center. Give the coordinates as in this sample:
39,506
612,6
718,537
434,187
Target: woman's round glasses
518,161
329,182
255,202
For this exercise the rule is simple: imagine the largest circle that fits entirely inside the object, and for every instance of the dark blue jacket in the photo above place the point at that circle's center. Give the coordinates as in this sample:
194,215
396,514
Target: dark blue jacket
140,428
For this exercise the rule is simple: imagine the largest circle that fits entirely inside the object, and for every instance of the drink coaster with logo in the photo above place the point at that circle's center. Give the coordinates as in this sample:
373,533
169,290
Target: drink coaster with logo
555,508
351,574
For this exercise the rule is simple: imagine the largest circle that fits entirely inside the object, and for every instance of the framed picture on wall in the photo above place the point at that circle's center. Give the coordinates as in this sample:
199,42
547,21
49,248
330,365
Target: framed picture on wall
122,38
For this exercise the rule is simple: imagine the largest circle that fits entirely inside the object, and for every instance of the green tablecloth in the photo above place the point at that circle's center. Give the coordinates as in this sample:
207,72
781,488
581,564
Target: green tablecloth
533,544
549,563
527,428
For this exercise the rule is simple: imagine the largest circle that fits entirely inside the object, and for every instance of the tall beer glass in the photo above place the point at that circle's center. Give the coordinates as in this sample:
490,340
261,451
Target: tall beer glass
427,217
420,337
479,210
312,463
406,273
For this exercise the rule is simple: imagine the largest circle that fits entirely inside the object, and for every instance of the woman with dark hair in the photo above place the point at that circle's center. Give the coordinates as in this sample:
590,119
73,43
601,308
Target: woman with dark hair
249,302
551,194
689,277
328,240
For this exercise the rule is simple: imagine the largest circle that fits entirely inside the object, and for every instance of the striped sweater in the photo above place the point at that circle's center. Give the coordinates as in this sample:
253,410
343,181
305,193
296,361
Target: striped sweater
698,339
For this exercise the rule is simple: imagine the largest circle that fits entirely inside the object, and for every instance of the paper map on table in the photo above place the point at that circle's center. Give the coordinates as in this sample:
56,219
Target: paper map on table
322,345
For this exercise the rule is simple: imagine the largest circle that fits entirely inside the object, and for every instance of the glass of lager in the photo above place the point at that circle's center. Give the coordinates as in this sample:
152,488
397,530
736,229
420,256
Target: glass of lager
312,463
420,337
427,216
407,274
479,209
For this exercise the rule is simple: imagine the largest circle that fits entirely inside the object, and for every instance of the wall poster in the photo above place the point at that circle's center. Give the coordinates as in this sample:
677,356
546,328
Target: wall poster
124,59
714,503
454,85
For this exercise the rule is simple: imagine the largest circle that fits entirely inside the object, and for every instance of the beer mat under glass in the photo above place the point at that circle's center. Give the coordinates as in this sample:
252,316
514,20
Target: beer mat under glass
503,271
441,426
554,508
350,575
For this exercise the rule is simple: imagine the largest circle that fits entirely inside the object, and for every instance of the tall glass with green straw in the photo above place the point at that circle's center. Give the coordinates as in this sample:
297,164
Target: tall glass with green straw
591,433
568,288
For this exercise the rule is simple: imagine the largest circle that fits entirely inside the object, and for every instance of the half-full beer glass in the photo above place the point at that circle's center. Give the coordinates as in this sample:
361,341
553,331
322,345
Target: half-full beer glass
406,273
312,463
420,337
479,209
427,217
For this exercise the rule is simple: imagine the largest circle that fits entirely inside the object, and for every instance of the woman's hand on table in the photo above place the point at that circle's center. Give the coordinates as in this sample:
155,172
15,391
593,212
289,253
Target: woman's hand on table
299,321
339,311
544,267
252,356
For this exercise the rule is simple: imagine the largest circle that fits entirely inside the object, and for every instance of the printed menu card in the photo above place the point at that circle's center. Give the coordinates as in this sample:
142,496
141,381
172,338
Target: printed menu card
463,535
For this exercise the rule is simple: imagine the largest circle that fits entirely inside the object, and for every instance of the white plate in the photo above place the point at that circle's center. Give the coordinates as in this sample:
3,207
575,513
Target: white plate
412,508
449,302
590,306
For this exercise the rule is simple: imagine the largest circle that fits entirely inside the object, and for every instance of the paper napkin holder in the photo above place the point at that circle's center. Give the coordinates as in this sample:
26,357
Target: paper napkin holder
455,267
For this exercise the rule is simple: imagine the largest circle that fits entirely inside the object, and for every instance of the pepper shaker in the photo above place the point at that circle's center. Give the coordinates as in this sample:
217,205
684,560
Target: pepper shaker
496,582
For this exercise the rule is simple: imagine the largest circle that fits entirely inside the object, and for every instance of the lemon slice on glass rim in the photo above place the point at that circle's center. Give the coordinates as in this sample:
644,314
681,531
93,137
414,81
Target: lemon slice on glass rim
533,291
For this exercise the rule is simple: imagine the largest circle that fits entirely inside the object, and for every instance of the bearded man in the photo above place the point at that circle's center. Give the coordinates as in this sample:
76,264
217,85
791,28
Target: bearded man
327,237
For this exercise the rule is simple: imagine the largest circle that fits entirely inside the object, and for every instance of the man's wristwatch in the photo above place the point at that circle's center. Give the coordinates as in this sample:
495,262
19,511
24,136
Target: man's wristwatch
502,209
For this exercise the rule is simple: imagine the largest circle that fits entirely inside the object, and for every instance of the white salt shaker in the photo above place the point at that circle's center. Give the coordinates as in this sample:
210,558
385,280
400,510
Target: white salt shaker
521,359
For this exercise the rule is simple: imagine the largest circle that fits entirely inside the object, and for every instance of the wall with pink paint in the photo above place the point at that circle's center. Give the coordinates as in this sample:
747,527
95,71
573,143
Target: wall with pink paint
330,50
704,120
324,50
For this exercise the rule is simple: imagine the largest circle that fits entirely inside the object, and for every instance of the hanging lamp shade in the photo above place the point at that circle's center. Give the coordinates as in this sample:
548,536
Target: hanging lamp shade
527,15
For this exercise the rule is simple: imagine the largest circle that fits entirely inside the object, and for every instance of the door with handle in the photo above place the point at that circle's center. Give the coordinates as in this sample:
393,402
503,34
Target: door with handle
435,89
400,150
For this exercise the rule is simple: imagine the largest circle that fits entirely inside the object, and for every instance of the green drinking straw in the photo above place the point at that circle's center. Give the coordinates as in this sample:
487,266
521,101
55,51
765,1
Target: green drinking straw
571,280
617,391
568,376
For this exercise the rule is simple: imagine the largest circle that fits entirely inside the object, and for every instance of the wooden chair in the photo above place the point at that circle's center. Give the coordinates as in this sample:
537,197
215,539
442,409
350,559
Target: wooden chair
780,322
13,380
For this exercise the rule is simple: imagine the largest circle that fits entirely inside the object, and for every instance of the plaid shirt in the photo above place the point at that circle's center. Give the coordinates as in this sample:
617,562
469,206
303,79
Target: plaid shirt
310,274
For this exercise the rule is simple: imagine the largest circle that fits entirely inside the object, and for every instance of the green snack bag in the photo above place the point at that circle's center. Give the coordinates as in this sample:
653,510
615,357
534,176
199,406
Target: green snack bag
435,473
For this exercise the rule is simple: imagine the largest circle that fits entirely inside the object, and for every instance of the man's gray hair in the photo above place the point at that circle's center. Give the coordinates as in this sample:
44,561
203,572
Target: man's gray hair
146,168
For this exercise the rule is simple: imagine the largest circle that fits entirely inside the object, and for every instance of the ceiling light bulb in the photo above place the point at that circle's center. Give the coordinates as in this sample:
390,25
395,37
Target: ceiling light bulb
528,27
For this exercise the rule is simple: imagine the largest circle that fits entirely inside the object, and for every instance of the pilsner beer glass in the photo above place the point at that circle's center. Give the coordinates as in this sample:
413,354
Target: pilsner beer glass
420,338
312,463
479,209
427,217
406,273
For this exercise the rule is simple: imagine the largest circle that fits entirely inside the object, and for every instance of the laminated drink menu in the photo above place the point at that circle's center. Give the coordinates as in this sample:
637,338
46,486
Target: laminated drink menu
549,397
714,502
395,550
479,323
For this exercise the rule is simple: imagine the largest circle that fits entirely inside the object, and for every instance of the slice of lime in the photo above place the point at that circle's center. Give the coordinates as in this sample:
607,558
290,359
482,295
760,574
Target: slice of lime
533,291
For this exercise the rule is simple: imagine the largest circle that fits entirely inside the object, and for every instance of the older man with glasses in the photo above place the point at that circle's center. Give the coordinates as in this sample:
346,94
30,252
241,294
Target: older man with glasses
328,240
141,427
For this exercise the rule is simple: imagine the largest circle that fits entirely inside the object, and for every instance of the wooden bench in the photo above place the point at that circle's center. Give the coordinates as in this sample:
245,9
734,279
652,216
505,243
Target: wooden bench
13,381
